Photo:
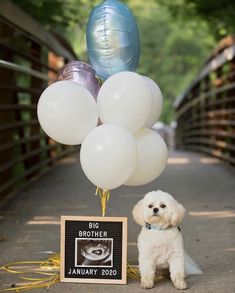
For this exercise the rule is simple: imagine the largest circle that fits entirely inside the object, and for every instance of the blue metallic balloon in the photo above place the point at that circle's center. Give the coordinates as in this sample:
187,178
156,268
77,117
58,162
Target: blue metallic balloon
113,42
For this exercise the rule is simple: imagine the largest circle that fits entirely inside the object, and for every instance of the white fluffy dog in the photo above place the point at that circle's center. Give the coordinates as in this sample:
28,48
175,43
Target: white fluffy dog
160,242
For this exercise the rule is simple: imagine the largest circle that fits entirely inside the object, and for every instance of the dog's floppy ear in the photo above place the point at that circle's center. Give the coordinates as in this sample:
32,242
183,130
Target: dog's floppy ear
137,213
178,212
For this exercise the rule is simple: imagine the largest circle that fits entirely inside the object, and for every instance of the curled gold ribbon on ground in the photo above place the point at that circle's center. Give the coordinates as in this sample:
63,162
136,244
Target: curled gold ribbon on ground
44,274
34,274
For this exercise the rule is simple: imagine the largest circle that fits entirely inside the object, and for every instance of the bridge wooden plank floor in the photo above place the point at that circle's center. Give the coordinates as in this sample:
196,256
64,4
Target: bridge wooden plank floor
204,185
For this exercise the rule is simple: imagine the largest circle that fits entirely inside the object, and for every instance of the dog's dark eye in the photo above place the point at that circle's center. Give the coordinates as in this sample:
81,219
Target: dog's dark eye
150,206
162,205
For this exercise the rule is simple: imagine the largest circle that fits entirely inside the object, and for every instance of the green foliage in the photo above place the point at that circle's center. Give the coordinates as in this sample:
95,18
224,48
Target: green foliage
173,48
57,14
219,14
65,17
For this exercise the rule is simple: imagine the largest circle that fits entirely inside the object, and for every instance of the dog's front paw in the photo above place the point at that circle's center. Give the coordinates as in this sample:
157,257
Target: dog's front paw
147,282
180,284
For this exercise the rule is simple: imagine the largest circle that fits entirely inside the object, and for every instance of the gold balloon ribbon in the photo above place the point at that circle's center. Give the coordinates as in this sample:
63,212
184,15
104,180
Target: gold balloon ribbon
133,272
99,80
34,274
49,268
104,198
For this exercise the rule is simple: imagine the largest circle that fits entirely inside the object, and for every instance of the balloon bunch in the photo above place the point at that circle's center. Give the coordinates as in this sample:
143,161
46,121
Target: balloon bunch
123,149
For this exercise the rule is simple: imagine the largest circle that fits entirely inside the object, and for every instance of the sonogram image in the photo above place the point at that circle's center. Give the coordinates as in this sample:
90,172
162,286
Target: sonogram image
94,252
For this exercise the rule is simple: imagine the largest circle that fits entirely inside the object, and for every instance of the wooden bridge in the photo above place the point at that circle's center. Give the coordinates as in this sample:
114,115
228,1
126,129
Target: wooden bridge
206,110
41,180
29,59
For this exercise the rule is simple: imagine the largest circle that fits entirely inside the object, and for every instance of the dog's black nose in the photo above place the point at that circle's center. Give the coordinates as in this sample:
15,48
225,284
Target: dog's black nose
155,210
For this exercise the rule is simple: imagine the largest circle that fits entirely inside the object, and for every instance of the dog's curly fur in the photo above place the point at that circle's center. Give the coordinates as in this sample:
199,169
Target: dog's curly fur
160,248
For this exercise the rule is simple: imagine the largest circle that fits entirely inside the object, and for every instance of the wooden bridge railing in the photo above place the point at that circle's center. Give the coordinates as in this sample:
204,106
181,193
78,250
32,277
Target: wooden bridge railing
205,112
29,60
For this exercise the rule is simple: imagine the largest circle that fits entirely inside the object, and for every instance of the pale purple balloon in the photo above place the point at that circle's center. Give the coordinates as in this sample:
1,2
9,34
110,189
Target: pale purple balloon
82,73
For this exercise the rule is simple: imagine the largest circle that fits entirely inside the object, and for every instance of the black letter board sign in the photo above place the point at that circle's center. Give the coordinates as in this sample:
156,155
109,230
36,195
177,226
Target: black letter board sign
93,249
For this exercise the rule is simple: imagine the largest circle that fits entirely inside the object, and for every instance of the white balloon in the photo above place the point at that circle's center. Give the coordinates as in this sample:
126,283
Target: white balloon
153,156
109,156
125,99
67,112
157,102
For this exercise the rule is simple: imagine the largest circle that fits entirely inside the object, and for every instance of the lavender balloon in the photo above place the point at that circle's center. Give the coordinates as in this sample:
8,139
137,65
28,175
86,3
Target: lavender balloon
82,73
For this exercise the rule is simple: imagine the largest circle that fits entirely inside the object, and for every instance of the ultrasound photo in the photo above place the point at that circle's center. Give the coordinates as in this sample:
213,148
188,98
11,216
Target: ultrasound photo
94,252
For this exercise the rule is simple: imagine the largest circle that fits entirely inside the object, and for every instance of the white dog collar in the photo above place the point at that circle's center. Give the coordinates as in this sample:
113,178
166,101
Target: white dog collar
157,228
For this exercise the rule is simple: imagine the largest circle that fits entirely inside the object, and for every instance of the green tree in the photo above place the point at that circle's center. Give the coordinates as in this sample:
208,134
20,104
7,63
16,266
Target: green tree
219,14
64,17
58,15
173,48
